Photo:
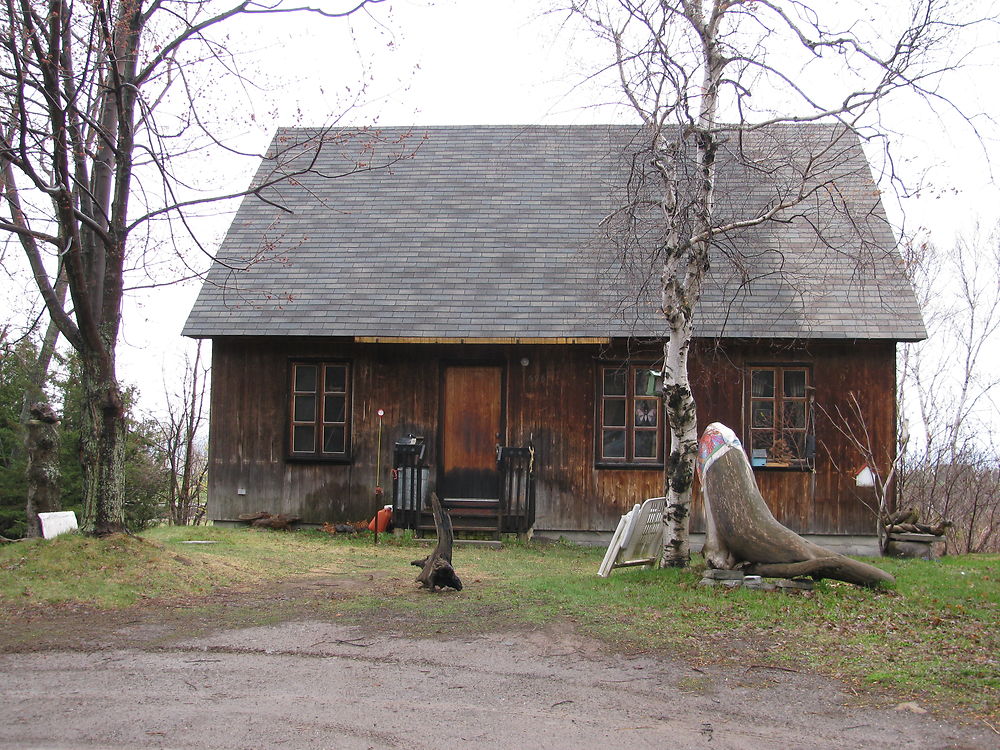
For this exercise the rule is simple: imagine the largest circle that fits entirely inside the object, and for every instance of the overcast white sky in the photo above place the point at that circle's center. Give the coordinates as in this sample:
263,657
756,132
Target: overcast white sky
494,62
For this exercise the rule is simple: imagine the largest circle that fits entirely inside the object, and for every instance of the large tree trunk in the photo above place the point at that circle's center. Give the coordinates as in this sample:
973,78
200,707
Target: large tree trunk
42,429
42,447
742,532
102,447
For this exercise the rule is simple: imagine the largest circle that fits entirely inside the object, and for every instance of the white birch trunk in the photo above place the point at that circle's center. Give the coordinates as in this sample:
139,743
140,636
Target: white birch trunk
682,414
684,270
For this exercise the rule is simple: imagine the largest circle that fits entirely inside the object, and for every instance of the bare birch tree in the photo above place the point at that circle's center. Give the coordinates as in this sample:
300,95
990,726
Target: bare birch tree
97,102
707,75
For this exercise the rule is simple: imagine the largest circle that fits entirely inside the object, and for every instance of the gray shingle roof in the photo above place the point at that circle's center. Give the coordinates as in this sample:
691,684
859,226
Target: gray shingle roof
494,232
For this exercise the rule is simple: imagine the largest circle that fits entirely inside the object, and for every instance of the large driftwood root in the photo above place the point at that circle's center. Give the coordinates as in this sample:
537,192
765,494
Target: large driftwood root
742,533
436,569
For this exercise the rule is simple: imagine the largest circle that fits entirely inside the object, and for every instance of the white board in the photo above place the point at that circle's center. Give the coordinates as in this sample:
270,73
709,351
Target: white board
54,524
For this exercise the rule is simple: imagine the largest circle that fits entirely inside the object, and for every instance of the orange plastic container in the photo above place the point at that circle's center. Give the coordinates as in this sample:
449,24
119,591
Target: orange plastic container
383,519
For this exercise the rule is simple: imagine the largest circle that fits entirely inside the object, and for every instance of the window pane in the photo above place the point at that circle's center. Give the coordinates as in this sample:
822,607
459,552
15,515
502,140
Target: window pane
303,439
333,439
335,409
796,442
646,412
614,412
305,378
614,382
762,383
794,383
613,444
762,439
645,444
761,413
336,379
795,414
305,409
645,383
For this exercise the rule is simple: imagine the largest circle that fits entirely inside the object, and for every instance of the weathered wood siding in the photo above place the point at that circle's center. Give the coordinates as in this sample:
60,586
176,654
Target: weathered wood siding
550,401
826,501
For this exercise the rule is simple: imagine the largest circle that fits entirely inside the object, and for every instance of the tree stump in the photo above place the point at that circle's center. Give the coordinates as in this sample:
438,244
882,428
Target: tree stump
742,533
41,442
436,569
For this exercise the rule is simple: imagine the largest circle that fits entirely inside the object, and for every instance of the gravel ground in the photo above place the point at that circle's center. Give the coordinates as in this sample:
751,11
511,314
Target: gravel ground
318,684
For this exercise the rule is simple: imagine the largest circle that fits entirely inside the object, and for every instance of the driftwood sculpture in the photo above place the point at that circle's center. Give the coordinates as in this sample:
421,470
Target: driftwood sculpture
742,533
436,570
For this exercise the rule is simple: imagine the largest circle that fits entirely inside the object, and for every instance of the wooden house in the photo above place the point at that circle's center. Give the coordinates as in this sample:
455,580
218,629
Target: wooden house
458,282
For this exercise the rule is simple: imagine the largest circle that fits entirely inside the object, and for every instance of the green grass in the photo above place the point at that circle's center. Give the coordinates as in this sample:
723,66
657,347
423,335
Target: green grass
121,570
935,635
113,572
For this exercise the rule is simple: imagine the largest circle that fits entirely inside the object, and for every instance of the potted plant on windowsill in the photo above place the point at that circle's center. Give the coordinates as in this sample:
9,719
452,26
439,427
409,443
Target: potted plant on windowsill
778,454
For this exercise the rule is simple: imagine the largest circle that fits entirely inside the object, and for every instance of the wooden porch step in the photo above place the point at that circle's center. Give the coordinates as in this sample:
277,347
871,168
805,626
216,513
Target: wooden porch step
456,513
470,509
472,515
478,529
469,503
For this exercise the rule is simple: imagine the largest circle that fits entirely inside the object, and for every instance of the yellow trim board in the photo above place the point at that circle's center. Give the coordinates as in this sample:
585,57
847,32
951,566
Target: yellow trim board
467,340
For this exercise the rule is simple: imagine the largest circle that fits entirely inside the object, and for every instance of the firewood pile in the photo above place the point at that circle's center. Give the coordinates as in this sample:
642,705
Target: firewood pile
906,536
263,520
907,521
352,527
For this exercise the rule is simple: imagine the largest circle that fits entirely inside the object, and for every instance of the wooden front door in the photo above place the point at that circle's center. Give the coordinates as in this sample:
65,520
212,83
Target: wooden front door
472,422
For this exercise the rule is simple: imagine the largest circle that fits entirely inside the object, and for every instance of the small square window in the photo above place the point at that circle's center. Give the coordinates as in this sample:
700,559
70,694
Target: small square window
614,382
305,378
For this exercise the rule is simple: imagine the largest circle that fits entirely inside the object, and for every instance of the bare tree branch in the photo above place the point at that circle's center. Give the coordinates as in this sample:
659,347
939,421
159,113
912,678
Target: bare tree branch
81,85
693,72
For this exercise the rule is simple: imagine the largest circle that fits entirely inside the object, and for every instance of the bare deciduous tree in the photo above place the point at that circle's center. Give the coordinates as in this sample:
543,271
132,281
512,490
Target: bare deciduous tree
97,100
951,468
706,76
180,442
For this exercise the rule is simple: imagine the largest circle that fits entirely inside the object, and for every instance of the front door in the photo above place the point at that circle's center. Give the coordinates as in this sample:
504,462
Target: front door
472,423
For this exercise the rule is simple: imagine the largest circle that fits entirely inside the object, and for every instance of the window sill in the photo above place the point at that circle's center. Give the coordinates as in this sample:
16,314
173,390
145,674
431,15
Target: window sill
782,467
319,459
623,465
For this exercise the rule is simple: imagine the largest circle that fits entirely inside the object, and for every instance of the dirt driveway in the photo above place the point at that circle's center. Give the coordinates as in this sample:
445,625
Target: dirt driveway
308,681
